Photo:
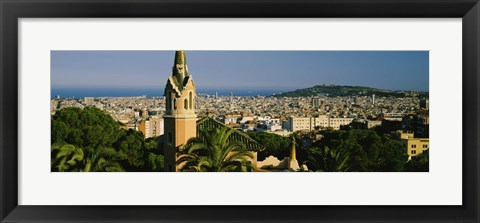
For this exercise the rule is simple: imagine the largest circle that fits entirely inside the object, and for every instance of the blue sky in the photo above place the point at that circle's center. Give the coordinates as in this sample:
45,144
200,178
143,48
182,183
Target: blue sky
394,70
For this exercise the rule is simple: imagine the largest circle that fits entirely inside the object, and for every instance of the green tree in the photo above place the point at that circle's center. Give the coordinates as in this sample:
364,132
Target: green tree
151,144
327,159
155,162
214,152
84,127
392,156
70,158
66,157
418,163
275,145
367,150
96,132
131,147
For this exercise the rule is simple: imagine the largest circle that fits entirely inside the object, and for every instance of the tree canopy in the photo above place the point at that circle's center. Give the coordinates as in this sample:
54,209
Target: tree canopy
365,151
275,145
89,139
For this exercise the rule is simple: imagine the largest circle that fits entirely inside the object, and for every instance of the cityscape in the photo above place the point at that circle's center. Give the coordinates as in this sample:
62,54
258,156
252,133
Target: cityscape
322,127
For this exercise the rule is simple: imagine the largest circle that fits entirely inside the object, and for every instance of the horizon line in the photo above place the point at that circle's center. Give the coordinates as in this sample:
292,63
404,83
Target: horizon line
225,88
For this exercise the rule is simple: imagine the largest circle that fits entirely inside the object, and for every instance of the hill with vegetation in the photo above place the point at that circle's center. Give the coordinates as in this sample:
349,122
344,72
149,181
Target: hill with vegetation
337,90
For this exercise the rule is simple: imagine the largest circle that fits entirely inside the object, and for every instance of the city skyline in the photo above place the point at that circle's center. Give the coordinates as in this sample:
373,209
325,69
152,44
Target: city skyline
338,129
246,70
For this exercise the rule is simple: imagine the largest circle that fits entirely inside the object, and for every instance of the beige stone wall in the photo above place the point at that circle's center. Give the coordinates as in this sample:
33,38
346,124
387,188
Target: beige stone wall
177,132
273,162
185,129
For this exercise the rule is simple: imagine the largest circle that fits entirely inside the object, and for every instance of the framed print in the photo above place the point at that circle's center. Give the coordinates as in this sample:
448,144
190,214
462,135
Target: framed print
168,111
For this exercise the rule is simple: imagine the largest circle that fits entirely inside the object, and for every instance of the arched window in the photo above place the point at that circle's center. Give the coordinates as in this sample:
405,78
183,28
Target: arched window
174,104
190,97
185,104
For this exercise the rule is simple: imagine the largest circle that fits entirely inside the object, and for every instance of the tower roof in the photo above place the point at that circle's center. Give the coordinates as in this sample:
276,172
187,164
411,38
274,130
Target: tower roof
180,69
180,57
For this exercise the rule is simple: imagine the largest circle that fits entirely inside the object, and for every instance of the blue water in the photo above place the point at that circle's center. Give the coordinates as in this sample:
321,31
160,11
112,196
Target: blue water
121,92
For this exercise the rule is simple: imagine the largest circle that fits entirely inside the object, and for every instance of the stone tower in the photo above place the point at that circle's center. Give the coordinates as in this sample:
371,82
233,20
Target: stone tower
180,121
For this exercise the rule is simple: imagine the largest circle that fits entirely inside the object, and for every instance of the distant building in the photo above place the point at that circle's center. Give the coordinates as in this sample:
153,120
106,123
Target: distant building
89,100
309,123
414,146
98,105
231,119
335,123
373,123
301,123
366,124
274,127
129,125
373,99
144,113
151,127
316,102
424,104
418,123
247,118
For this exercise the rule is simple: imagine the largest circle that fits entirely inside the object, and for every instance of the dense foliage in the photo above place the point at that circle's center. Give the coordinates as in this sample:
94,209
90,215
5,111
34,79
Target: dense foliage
214,152
360,151
353,150
336,90
275,145
328,160
89,140
418,163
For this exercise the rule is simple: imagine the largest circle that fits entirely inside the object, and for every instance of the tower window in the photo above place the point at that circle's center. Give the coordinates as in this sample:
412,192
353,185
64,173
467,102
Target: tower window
191,100
174,104
185,104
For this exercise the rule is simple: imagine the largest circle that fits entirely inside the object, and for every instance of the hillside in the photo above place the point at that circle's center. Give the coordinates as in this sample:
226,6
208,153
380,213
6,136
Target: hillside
337,90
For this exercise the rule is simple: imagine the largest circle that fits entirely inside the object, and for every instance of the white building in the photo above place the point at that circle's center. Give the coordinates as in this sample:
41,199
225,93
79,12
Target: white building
309,123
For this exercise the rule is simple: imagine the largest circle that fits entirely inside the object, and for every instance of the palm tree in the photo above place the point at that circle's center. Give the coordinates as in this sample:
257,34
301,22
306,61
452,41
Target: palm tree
66,157
103,159
69,158
328,160
214,152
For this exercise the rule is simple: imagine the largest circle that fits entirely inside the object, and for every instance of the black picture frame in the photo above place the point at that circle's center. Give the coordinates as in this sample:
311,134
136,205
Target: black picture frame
12,10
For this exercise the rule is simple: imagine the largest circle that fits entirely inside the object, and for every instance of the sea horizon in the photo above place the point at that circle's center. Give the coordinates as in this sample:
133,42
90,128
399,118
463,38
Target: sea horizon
153,92
78,92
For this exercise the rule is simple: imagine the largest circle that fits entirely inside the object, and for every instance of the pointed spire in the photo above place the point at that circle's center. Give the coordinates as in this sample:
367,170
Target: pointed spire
293,153
180,69
180,57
